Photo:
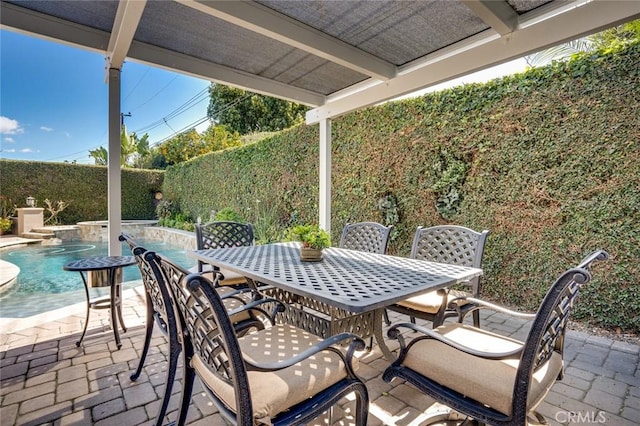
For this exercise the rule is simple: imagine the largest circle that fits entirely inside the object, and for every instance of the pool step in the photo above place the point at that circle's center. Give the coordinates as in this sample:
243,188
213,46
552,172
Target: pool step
38,235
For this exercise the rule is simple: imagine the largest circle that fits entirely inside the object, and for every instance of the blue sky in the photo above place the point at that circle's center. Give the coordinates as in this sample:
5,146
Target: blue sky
54,100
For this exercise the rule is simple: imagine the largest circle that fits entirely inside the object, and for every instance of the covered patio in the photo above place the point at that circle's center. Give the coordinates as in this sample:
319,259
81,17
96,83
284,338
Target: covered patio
46,379
336,57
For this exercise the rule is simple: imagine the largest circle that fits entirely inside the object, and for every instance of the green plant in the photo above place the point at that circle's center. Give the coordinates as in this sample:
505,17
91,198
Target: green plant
165,209
5,224
228,214
7,207
311,236
266,223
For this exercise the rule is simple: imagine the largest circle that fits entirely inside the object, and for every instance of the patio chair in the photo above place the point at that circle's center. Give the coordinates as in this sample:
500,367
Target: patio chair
450,244
281,375
224,234
485,376
159,310
371,237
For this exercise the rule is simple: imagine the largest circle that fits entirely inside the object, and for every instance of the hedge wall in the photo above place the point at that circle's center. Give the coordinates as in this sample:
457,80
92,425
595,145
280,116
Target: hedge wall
83,187
547,160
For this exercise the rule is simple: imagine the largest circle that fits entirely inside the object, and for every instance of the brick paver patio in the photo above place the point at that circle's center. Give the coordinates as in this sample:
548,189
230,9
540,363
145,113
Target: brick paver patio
46,379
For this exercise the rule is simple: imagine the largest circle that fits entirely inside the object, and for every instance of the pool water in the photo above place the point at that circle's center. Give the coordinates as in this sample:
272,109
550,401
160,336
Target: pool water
43,285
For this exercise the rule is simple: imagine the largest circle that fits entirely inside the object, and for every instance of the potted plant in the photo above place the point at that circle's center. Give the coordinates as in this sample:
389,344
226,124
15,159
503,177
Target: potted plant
313,240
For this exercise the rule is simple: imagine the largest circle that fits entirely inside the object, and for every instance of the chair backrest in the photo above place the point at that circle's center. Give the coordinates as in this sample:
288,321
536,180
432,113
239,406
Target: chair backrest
158,296
451,244
547,332
208,333
223,234
371,237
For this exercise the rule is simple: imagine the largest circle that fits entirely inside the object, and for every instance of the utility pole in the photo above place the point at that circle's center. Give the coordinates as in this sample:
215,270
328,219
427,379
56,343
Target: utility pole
122,116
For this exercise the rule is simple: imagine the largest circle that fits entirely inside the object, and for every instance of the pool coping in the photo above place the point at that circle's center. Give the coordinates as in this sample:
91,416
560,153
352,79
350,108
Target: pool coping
13,325
8,271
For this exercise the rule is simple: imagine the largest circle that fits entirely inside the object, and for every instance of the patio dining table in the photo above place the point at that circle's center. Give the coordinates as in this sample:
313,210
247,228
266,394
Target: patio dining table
346,291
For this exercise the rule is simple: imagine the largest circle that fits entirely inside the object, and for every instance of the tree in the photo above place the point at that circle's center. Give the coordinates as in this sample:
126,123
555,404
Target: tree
182,147
559,52
100,156
245,112
132,150
617,35
217,138
191,144
142,150
606,39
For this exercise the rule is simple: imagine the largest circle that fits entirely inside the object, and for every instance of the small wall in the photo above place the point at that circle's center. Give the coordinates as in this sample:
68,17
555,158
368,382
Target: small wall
29,218
186,240
98,230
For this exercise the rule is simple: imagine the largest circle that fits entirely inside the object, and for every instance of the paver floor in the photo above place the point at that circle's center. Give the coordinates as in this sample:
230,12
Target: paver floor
46,379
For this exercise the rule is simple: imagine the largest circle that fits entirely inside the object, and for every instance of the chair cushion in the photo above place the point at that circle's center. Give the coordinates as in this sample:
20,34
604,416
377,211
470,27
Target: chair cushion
230,304
275,392
430,302
490,382
230,277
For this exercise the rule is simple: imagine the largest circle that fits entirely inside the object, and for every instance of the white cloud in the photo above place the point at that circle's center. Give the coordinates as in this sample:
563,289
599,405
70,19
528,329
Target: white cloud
9,150
46,129
9,126
9,139
27,150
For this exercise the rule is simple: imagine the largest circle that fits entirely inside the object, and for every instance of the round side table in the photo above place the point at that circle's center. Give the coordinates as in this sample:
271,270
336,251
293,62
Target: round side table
113,302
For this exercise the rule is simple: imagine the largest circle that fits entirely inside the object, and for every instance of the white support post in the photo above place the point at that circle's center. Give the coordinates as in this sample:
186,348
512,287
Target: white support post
325,175
113,165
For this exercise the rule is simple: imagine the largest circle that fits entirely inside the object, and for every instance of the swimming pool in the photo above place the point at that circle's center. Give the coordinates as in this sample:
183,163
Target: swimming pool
43,285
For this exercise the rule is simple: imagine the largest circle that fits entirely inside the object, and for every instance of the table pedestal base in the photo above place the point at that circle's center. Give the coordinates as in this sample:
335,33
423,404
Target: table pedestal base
324,320
113,302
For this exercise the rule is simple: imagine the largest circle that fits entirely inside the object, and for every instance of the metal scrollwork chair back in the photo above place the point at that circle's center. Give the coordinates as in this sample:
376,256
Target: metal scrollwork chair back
158,311
371,237
224,234
450,244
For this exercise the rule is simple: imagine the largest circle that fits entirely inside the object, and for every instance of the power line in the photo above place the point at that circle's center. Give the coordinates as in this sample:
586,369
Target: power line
157,93
201,120
196,99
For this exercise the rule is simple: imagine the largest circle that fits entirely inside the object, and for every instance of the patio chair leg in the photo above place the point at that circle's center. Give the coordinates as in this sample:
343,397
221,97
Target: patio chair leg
174,356
386,318
147,339
185,398
187,383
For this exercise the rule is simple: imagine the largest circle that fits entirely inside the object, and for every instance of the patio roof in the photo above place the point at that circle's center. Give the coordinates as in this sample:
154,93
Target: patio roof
336,56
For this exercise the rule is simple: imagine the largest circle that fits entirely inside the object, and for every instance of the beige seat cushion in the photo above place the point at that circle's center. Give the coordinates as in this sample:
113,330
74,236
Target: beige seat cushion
488,381
431,302
230,277
275,392
229,303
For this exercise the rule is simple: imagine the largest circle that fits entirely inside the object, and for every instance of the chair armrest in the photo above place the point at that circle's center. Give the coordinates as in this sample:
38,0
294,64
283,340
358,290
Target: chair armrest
479,304
255,306
235,294
395,333
326,345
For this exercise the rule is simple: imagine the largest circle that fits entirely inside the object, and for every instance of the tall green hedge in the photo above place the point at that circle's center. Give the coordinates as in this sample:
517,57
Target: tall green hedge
83,187
547,160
